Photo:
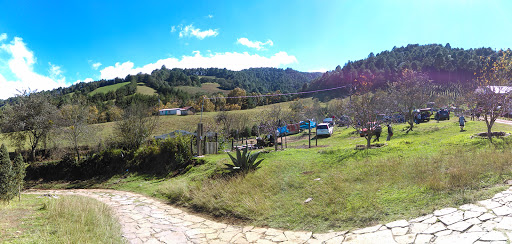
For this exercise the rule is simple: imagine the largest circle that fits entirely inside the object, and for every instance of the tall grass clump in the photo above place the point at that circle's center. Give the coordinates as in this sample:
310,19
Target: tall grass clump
76,219
460,169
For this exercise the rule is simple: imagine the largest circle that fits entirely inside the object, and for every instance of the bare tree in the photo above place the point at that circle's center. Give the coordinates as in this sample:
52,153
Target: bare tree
227,122
412,91
74,127
137,126
493,95
315,111
364,110
32,116
273,118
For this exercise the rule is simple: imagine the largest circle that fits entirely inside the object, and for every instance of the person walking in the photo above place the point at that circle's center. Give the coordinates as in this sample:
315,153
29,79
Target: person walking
390,132
462,122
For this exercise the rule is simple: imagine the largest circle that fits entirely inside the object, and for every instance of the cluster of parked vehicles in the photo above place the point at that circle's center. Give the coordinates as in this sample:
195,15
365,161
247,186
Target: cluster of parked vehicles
327,126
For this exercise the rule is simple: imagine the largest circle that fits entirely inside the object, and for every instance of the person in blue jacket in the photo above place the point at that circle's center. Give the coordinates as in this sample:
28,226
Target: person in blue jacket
462,122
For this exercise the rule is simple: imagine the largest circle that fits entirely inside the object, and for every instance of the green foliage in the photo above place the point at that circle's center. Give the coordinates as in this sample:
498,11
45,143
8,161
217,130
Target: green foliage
136,127
443,65
6,176
244,162
162,157
18,173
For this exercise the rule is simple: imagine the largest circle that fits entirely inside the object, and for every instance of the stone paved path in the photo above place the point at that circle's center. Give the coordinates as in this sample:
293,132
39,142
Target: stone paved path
146,220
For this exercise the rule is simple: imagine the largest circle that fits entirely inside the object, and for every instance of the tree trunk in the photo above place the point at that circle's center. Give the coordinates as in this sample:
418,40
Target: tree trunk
489,133
411,122
77,153
275,139
33,154
489,127
368,141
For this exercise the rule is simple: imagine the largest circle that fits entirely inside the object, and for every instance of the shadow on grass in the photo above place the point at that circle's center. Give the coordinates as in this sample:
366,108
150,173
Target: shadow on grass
95,182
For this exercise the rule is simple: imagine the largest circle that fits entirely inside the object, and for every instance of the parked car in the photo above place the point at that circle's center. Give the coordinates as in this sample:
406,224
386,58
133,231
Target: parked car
442,114
425,114
304,125
324,129
329,121
344,121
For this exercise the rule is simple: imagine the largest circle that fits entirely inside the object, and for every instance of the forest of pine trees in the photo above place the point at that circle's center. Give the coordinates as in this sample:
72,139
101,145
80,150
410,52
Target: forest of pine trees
442,64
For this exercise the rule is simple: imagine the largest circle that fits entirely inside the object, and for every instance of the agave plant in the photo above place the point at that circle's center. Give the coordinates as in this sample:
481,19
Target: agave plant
244,162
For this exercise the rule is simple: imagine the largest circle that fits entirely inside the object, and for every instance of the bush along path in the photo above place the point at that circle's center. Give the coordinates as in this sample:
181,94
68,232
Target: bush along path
146,220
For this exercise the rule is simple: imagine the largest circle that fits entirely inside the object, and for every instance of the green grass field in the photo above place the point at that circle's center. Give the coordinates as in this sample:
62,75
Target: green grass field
432,167
145,90
69,219
106,89
208,88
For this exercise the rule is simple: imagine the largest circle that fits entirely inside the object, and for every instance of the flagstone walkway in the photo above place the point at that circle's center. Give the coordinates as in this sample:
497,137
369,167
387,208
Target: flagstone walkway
147,220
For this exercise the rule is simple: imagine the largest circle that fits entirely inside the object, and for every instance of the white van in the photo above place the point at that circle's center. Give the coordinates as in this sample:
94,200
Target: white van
324,129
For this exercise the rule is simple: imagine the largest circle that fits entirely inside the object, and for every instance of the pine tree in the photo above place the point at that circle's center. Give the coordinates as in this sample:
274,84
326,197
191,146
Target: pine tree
19,175
6,175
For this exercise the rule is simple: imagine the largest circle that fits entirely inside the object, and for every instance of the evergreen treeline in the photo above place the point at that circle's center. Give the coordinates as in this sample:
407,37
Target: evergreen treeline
442,64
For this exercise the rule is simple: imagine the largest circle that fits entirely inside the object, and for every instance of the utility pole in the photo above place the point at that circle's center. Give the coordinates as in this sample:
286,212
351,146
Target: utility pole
309,134
199,139
316,136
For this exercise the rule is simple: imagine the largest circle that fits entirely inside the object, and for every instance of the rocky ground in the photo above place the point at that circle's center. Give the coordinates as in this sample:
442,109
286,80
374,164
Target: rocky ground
147,220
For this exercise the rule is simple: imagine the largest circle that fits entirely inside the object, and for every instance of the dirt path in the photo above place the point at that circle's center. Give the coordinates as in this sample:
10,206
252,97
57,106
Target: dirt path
502,121
146,220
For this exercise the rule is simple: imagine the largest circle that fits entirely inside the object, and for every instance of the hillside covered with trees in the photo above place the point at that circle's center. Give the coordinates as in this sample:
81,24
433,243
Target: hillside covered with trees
443,65
165,81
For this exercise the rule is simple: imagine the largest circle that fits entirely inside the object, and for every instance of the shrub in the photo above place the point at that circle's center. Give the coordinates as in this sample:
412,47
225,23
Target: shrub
19,174
105,163
244,162
6,176
164,156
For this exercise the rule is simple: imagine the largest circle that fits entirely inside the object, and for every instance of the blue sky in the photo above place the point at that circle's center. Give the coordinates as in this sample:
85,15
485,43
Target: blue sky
47,44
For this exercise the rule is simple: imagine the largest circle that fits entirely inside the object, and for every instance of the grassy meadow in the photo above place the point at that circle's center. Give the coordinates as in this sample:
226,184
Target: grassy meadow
106,89
432,167
145,90
68,219
208,88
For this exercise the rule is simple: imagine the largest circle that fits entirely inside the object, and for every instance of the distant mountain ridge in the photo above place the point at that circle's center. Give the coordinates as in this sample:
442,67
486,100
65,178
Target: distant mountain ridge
164,81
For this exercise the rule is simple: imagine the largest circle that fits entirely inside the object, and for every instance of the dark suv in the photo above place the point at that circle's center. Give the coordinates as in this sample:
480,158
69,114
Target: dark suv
442,114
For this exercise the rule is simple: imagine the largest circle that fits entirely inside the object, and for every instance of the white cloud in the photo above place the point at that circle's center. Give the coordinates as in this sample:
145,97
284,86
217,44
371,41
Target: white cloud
54,70
209,16
321,70
191,31
3,36
20,64
229,60
95,66
254,44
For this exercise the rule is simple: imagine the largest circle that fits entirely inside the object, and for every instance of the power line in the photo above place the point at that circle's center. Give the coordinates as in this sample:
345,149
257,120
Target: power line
268,95
280,94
